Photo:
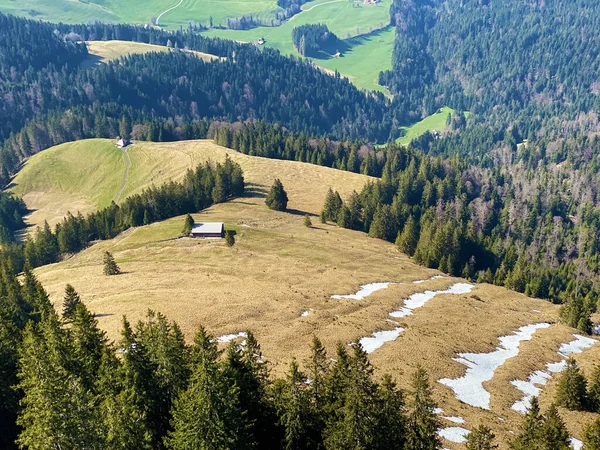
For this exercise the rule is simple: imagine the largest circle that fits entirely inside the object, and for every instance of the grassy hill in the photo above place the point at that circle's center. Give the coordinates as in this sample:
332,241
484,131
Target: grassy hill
279,277
139,11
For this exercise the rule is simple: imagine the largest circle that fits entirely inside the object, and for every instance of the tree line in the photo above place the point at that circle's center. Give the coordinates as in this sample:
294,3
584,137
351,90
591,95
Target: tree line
199,189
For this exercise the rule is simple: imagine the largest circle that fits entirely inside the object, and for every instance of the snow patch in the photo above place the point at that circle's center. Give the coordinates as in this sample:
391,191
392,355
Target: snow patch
435,277
364,292
481,367
454,434
418,300
305,313
453,419
231,337
576,444
377,339
372,343
438,410
530,388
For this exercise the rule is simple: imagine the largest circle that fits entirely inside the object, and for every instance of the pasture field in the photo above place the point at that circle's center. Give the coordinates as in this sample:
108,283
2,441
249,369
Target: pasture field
363,57
139,11
104,51
433,122
279,277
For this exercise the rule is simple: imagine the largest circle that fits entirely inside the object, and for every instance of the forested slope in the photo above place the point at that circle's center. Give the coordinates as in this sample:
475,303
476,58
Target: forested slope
528,64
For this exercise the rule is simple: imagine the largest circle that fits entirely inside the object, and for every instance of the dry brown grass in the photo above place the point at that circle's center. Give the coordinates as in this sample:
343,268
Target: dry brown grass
103,51
279,268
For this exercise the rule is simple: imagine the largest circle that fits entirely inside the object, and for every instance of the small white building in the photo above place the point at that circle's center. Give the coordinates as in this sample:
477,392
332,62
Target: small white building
122,143
208,230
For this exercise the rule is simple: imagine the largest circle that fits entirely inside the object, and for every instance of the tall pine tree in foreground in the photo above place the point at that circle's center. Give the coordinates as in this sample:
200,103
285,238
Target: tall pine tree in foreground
591,436
188,224
423,423
531,429
554,432
204,416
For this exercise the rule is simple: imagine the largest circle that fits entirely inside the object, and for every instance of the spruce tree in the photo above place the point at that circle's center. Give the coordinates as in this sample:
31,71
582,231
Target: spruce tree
293,410
391,429
188,224
481,438
110,265
88,345
229,238
531,429
57,411
203,415
594,390
572,388
277,198
333,204
591,436
409,237
422,421
554,432
70,302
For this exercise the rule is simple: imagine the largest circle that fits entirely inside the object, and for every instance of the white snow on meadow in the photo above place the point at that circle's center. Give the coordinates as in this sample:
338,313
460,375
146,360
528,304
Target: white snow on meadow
576,444
419,299
372,343
306,313
231,337
530,388
364,292
454,434
453,419
435,277
377,339
481,367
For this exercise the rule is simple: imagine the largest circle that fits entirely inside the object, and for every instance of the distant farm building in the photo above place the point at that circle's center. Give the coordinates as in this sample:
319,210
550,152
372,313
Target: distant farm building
122,143
337,54
261,41
209,230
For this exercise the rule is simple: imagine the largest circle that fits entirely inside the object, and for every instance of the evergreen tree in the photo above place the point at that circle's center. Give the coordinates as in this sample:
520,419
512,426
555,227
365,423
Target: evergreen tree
333,204
88,345
572,388
391,429
57,410
481,438
554,432
594,390
293,410
110,265
229,238
187,225
203,413
591,436
70,302
277,198
409,237
307,221
383,225
422,421
531,429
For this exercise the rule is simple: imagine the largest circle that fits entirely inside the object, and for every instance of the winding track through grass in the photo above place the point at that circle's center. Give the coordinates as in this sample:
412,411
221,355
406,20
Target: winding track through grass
166,11
125,175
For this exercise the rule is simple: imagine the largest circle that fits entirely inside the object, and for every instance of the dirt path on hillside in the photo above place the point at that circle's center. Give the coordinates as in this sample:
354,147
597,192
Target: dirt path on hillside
125,176
166,11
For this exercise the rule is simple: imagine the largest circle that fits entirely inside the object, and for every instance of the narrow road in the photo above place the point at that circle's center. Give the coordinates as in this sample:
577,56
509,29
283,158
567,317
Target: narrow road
320,4
166,11
125,176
